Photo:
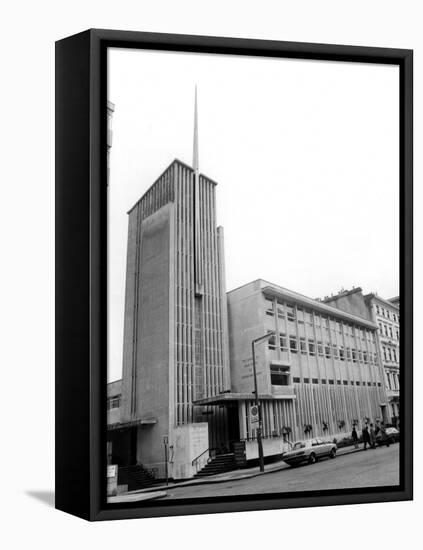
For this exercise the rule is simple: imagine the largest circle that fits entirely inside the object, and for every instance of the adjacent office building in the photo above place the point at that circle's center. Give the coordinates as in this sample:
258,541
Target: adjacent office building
385,315
319,374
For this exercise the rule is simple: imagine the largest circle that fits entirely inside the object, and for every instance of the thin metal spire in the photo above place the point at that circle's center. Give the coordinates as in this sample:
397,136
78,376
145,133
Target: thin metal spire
198,278
195,158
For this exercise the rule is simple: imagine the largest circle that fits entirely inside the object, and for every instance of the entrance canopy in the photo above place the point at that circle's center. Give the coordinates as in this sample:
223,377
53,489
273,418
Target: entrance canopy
230,398
132,423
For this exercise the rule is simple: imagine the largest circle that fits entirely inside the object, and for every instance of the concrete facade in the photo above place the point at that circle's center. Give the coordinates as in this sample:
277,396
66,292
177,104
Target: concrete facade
351,301
114,398
189,443
319,375
385,315
175,327
148,374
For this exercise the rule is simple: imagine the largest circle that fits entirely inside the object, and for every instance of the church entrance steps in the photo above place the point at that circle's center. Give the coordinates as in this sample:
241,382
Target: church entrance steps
218,465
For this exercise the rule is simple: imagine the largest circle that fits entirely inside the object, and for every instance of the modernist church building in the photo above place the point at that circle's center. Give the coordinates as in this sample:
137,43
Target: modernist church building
175,333
187,387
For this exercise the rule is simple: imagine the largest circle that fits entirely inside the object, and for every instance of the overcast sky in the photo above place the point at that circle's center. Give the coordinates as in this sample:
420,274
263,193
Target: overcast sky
305,154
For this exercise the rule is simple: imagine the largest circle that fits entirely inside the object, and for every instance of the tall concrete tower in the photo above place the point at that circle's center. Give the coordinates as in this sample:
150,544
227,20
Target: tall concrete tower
175,333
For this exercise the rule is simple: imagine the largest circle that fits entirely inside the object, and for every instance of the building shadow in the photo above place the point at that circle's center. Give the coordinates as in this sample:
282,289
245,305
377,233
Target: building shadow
46,497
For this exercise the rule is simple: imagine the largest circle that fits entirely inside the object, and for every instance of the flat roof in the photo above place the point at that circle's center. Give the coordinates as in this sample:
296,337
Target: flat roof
132,423
276,290
315,304
174,161
114,389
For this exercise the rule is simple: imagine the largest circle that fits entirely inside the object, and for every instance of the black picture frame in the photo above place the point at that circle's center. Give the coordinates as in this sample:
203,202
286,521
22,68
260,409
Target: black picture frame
81,275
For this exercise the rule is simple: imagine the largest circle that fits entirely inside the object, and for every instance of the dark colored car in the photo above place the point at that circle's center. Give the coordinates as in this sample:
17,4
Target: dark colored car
387,437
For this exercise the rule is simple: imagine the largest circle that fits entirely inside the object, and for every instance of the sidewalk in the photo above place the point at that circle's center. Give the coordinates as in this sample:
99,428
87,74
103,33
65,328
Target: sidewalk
234,475
138,496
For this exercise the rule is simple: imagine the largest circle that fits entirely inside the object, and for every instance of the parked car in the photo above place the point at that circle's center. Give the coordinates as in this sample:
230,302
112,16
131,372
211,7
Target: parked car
387,437
309,451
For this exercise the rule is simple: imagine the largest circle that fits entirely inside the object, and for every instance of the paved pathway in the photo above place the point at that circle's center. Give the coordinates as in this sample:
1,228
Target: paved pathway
372,468
245,473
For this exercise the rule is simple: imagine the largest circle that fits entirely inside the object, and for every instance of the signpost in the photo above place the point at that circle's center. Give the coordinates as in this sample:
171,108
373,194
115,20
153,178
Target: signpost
254,414
166,444
260,422
112,471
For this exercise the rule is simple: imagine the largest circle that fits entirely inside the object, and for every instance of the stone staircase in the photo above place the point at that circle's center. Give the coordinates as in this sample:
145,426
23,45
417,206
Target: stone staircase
135,477
218,465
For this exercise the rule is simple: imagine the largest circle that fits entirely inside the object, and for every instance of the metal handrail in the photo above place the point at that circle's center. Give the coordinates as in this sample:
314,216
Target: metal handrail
200,455
195,461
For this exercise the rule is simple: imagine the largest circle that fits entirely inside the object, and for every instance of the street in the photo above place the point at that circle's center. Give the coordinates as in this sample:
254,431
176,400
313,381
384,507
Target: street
371,468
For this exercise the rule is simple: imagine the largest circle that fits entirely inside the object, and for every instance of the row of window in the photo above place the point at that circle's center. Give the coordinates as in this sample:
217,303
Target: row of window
387,313
309,347
393,380
113,402
390,354
386,330
330,381
309,317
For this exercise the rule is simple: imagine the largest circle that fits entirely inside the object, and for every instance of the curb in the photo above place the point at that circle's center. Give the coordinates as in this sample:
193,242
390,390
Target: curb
211,479
136,497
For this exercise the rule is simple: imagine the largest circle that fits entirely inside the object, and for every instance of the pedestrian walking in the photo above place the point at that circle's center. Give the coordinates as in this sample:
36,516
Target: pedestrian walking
383,436
354,437
366,437
372,436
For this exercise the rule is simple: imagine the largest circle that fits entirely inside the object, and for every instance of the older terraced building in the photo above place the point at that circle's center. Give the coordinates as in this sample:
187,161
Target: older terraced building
386,315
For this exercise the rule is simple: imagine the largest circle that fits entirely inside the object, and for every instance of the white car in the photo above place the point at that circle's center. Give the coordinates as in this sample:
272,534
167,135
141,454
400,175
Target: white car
309,451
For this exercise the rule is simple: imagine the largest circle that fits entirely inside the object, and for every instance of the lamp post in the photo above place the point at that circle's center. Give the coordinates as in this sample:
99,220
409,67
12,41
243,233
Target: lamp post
259,429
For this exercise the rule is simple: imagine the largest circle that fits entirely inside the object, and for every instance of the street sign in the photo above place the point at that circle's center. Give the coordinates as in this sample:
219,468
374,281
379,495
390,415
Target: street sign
254,414
111,470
